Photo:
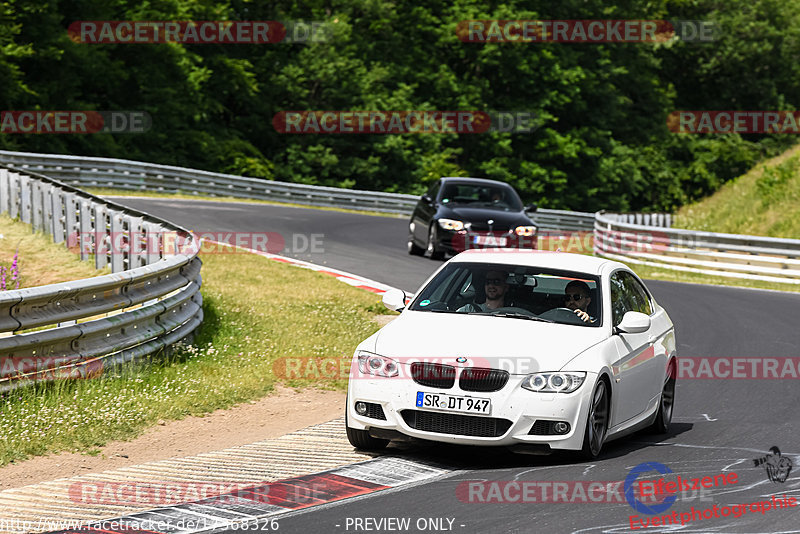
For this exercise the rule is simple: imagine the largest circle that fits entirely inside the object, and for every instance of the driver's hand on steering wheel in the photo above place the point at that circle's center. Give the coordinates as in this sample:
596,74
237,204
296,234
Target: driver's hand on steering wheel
583,315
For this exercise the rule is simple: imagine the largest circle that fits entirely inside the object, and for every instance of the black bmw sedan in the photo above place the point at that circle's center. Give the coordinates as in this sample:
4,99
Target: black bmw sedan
457,214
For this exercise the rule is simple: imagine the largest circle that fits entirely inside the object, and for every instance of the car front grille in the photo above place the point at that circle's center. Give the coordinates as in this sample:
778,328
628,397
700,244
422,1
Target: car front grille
483,380
483,228
455,424
433,375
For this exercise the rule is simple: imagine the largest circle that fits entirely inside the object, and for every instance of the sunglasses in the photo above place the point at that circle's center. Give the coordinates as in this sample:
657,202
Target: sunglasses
494,281
573,296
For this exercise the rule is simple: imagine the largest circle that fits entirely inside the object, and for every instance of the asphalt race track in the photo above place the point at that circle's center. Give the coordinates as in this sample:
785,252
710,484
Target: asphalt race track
719,425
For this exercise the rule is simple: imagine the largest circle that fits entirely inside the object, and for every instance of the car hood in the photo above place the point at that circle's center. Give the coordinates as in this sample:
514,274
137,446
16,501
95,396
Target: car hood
517,345
501,218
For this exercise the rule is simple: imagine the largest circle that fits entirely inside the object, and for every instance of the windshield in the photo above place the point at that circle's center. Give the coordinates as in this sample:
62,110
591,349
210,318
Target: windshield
481,195
513,291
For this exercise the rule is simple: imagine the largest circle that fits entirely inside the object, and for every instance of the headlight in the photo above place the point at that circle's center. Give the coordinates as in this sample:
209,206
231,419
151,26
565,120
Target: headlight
525,230
450,224
554,382
373,364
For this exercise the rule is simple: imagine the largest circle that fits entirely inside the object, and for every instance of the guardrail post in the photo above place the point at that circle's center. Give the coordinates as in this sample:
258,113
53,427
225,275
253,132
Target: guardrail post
36,205
85,234
116,246
47,209
102,239
136,257
154,243
13,197
70,220
26,196
4,179
59,221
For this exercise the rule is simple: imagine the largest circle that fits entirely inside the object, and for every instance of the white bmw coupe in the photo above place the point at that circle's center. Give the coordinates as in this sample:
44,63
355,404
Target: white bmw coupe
530,350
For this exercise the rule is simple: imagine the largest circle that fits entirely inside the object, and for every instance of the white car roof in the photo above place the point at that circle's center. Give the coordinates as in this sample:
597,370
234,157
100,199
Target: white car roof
538,258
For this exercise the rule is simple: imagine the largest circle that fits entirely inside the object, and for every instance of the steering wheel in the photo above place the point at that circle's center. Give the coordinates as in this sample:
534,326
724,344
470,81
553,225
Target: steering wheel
562,315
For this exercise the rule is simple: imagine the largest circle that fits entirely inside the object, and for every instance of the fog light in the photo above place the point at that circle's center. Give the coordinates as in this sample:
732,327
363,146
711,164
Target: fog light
561,427
361,408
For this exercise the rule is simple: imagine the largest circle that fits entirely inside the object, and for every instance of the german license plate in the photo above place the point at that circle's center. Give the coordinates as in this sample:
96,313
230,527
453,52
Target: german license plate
489,240
453,403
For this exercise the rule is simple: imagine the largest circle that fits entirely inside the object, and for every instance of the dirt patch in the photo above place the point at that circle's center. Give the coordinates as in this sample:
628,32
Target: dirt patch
285,411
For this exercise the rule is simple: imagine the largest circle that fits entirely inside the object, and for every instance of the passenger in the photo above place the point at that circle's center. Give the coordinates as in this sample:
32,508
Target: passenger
577,297
495,288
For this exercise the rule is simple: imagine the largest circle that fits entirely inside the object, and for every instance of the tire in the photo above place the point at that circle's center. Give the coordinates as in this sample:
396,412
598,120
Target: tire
432,249
413,249
360,439
665,404
596,421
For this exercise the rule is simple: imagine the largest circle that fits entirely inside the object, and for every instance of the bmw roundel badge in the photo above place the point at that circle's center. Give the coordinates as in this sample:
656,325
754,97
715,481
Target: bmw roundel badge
461,359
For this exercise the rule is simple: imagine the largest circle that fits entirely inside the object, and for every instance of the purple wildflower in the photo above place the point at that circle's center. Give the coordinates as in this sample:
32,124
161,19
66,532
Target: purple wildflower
15,269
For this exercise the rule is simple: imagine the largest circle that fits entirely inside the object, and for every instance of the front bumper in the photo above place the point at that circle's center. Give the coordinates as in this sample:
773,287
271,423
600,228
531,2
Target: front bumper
520,407
455,242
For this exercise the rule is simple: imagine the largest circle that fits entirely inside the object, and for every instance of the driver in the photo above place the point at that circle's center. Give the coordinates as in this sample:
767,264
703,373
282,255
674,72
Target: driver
495,288
577,299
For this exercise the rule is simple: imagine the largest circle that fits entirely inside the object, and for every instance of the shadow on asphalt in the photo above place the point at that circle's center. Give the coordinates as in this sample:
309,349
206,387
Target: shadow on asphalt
474,458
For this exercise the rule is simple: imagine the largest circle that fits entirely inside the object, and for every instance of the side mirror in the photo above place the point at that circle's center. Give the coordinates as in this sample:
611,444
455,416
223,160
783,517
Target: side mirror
395,300
427,199
531,207
634,323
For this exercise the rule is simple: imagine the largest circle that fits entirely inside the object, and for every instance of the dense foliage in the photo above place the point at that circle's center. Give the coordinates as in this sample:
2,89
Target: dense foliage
602,141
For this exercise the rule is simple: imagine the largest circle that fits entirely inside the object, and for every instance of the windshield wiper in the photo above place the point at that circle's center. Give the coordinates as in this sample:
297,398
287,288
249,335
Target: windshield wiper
522,316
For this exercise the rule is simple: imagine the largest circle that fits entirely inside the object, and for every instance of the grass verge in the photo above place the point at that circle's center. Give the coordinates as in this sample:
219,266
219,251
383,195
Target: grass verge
41,261
763,201
256,312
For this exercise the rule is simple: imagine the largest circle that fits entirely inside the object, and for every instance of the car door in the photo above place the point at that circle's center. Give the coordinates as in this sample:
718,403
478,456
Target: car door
638,365
660,329
423,213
